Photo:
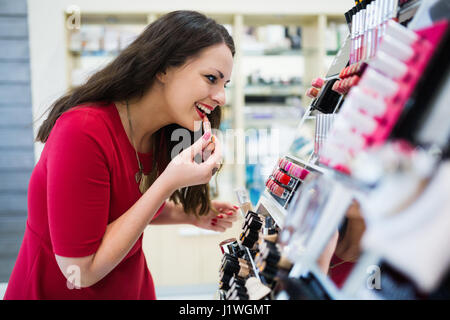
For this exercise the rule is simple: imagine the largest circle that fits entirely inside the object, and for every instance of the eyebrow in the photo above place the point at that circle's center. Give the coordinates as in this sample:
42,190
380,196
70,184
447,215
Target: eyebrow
221,75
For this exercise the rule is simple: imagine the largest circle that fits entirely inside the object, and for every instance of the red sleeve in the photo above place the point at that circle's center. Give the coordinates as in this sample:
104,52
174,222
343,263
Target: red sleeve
78,184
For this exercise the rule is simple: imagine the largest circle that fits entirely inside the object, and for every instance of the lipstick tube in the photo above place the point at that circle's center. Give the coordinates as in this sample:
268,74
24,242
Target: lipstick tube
368,103
283,178
278,190
353,36
376,82
357,30
362,29
396,49
400,33
391,67
363,124
371,29
251,214
378,16
253,223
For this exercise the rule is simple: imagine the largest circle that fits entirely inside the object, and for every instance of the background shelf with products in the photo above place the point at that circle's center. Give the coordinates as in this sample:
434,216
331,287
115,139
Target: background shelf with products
392,184
273,61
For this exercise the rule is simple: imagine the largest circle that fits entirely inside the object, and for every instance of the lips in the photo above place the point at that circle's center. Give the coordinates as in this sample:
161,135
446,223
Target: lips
200,113
203,108
206,106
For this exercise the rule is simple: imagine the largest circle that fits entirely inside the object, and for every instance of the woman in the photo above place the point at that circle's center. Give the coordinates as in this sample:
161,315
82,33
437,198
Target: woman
107,168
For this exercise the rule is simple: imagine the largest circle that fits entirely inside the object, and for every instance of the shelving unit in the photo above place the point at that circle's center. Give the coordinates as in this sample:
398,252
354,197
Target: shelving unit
342,188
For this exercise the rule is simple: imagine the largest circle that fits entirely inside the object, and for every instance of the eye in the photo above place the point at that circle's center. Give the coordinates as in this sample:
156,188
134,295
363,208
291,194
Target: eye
211,78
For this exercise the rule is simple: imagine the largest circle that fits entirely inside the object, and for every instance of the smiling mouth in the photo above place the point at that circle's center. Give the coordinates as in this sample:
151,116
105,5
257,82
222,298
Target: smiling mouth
202,110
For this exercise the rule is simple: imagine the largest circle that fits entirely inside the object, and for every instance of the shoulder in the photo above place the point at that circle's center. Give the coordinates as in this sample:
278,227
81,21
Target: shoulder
87,115
90,124
90,119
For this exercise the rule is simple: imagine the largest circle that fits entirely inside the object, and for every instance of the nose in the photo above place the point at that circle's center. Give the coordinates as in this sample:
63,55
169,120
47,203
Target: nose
218,96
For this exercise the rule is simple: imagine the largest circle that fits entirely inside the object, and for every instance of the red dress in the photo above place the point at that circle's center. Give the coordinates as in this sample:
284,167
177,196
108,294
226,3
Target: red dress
339,270
83,181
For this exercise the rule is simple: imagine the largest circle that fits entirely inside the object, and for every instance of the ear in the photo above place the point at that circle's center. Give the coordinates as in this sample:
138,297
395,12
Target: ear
162,76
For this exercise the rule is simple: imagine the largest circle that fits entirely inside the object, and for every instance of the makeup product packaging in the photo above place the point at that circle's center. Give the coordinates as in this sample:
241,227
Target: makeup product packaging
251,229
243,197
328,100
256,289
323,125
284,179
374,106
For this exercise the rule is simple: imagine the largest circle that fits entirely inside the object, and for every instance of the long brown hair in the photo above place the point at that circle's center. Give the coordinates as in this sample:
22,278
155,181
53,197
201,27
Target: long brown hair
167,42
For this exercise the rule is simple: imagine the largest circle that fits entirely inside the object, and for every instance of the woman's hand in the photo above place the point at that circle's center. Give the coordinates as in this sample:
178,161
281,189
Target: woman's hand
219,218
184,171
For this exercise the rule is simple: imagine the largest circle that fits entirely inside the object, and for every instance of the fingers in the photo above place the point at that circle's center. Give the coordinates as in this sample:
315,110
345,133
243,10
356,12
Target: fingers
216,157
206,124
204,141
198,145
223,206
208,150
220,224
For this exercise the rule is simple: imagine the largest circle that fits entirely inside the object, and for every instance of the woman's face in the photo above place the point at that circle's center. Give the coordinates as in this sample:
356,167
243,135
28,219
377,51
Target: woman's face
197,87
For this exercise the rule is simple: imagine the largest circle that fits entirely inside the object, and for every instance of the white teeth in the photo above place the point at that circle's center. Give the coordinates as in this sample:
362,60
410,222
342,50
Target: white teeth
204,109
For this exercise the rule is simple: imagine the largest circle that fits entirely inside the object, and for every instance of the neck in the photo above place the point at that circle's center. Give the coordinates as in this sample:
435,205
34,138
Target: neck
146,115
349,247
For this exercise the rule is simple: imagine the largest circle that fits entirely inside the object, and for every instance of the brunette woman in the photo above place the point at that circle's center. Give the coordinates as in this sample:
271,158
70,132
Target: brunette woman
111,164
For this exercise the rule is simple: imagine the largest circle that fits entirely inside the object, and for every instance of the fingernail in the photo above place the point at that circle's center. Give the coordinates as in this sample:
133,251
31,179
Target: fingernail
220,216
236,207
213,139
214,220
230,213
213,223
207,135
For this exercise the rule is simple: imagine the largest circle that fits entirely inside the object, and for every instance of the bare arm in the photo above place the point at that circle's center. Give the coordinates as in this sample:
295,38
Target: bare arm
325,258
122,234
119,237
173,214
220,219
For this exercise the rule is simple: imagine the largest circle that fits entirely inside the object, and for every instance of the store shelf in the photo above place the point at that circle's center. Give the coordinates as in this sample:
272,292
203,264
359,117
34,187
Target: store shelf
274,90
327,284
307,164
273,52
267,205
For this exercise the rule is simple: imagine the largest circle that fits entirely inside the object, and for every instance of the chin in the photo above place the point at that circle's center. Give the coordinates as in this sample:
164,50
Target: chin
189,125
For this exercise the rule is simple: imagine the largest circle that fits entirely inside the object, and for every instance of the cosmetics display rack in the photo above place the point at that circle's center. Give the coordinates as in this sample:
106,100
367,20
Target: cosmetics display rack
387,147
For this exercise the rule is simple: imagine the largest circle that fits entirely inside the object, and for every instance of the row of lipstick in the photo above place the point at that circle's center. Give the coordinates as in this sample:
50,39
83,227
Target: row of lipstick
250,230
246,289
285,178
367,23
292,169
269,260
349,77
374,105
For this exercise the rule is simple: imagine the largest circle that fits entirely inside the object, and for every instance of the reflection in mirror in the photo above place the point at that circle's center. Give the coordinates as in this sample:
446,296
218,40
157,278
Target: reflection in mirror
343,249
302,146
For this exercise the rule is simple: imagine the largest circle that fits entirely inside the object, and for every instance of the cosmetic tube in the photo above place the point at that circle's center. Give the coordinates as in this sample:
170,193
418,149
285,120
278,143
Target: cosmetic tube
378,83
391,67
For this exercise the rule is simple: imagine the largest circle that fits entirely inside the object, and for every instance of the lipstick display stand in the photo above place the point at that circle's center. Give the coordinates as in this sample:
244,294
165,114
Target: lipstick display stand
306,200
